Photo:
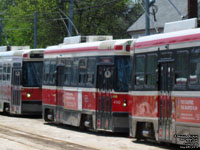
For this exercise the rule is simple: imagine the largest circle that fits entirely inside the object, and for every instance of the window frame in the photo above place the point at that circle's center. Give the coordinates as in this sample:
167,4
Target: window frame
140,86
155,73
176,86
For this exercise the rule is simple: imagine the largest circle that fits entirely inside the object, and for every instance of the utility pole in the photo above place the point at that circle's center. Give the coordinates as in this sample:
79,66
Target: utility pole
192,9
70,17
35,29
147,17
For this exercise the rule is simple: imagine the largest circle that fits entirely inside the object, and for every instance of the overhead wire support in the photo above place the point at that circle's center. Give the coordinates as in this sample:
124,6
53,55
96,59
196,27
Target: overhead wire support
70,21
182,17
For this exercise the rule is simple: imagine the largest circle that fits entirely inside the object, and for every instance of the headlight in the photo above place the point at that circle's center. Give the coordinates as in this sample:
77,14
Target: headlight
28,95
125,103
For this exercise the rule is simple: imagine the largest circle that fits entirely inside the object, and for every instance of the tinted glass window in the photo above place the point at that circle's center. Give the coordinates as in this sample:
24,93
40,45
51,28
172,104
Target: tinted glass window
74,80
90,78
32,74
46,74
140,68
82,71
181,65
1,72
194,77
52,78
151,75
123,73
68,71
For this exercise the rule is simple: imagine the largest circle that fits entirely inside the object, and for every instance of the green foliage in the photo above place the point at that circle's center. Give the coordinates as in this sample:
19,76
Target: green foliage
91,17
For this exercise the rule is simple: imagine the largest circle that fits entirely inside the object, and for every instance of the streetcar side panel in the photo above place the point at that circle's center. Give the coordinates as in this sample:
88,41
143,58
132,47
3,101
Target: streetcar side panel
175,97
79,100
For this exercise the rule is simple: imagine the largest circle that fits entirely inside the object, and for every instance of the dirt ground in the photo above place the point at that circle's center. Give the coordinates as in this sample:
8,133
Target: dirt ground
23,133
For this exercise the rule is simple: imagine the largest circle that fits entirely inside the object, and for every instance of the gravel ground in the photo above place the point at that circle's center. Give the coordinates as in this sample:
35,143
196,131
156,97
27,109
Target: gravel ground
23,133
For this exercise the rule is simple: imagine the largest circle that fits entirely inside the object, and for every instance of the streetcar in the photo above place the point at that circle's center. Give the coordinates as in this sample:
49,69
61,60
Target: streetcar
21,82
165,86
86,84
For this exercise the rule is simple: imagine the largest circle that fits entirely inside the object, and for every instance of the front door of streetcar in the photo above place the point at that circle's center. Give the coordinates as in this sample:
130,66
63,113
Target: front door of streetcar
105,82
16,91
165,101
59,91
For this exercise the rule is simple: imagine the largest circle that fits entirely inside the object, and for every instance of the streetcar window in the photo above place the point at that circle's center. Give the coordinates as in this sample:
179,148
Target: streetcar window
4,73
181,69
8,69
194,77
74,80
140,68
4,69
91,72
123,73
8,72
1,71
151,67
68,71
52,78
82,71
32,74
46,72
8,77
4,77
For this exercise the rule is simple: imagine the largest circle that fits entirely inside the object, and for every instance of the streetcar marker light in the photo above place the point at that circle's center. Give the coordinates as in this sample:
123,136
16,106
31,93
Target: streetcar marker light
25,55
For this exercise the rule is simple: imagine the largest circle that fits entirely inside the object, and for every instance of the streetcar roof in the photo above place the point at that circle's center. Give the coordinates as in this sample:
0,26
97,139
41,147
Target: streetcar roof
168,38
19,52
88,47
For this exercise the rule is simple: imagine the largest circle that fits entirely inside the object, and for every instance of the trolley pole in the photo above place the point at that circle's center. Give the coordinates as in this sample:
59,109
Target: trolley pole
70,17
35,29
147,18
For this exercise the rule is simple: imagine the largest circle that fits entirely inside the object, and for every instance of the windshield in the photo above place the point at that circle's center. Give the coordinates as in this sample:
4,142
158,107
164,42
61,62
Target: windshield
32,74
123,73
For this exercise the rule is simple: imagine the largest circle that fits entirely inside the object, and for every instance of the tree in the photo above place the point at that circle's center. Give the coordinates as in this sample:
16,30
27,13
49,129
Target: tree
91,17
18,23
111,17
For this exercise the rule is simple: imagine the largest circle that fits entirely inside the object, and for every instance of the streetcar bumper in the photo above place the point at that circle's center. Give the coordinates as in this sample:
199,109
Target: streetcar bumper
32,107
120,122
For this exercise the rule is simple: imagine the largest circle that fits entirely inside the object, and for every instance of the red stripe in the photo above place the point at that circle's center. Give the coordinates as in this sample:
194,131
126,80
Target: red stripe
75,50
171,40
119,47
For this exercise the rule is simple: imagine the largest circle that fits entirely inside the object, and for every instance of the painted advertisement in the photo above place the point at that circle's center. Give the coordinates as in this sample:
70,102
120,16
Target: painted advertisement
188,110
72,100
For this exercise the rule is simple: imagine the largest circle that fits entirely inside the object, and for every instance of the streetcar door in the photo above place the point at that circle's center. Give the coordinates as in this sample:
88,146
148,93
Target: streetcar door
105,82
165,101
16,91
59,91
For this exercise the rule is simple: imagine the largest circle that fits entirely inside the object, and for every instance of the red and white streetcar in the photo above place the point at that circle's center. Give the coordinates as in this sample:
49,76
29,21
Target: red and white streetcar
164,95
21,81
86,84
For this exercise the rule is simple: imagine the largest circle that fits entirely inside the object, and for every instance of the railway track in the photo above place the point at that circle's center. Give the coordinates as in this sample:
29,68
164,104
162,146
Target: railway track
37,142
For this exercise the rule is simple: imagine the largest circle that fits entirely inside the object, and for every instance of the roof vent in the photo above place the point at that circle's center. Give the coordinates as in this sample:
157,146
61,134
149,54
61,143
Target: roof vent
81,39
180,25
